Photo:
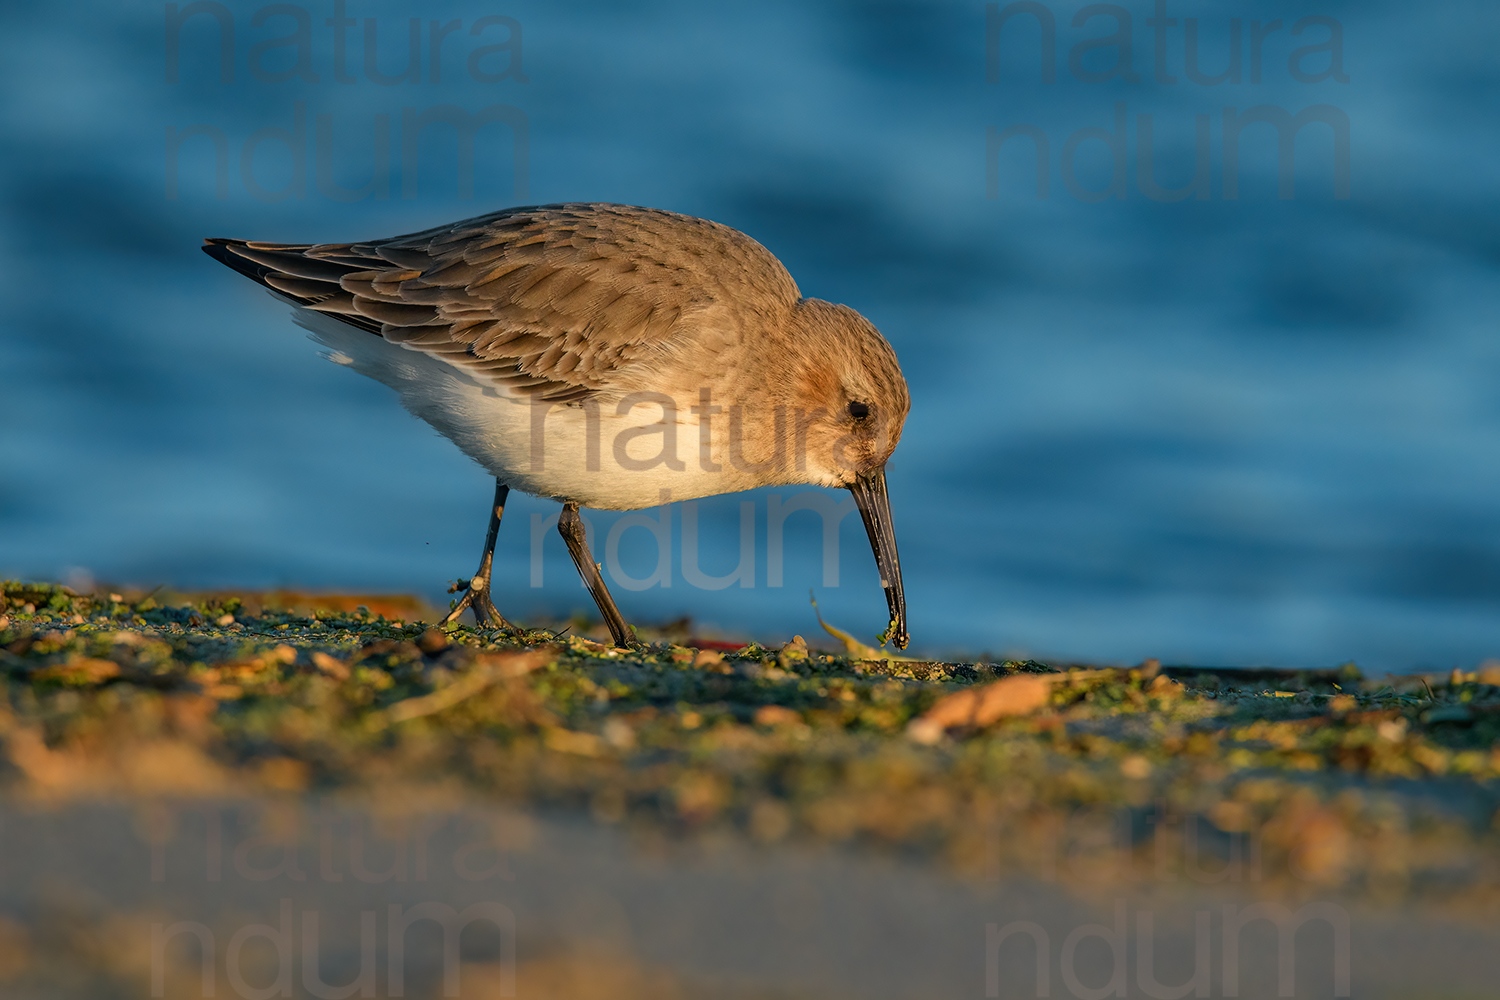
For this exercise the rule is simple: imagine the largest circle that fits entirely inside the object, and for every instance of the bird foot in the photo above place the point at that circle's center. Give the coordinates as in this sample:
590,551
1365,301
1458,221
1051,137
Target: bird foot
477,599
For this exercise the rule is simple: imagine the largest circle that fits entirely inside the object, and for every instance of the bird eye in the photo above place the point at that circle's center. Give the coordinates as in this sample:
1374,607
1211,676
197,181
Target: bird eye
858,410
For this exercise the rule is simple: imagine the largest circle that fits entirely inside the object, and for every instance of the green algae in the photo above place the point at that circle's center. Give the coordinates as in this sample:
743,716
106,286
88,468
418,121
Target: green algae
1324,778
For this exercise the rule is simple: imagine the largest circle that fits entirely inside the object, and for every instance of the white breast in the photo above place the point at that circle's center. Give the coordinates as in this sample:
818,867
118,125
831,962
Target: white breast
589,454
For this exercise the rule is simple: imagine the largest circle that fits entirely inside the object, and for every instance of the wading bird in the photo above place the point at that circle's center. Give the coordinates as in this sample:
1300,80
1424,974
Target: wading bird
607,356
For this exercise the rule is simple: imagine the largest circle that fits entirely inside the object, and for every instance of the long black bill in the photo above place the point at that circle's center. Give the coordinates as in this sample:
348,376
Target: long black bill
875,507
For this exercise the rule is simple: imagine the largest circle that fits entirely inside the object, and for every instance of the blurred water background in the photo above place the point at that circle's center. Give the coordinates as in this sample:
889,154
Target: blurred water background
1250,429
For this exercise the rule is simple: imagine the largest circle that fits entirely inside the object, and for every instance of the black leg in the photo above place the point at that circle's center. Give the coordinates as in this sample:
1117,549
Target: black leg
477,589
570,526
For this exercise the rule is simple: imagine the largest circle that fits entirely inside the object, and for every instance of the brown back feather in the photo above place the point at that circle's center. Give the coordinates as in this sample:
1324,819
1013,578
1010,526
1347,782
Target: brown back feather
559,300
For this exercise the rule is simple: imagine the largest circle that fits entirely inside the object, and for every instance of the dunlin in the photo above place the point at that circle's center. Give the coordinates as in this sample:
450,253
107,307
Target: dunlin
607,356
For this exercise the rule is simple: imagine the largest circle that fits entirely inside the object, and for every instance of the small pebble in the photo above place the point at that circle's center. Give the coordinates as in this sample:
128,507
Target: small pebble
432,642
793,651
775,716
769,820
331,666
618,734
224,621
924,731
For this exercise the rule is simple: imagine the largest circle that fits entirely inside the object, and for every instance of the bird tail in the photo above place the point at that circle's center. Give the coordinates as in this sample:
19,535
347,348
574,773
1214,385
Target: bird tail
306,274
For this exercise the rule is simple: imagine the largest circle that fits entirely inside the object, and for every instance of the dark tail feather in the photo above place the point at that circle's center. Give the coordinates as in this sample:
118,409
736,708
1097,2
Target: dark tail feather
291,272
221,250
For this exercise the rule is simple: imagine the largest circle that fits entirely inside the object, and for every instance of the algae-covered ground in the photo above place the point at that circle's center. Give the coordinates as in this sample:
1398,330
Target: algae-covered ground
1385,788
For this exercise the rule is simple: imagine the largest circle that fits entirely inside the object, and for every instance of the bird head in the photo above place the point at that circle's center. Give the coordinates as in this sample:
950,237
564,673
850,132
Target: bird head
858,399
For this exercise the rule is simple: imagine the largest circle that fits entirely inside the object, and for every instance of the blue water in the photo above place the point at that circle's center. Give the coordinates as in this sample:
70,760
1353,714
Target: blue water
1231,430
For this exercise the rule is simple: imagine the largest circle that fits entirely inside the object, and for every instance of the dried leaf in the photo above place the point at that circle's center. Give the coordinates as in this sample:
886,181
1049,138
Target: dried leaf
856,649
1020,694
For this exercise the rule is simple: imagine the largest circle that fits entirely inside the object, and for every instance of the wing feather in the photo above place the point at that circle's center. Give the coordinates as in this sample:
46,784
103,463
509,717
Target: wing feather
563,301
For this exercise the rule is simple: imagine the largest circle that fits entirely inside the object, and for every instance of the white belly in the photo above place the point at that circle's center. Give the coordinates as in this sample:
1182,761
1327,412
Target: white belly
568,452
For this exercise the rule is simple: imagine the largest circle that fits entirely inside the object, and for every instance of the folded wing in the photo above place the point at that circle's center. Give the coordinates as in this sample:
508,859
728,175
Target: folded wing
561,301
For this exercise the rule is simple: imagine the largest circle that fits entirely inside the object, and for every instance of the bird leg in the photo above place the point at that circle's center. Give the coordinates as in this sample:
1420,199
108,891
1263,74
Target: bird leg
570,526
477,588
